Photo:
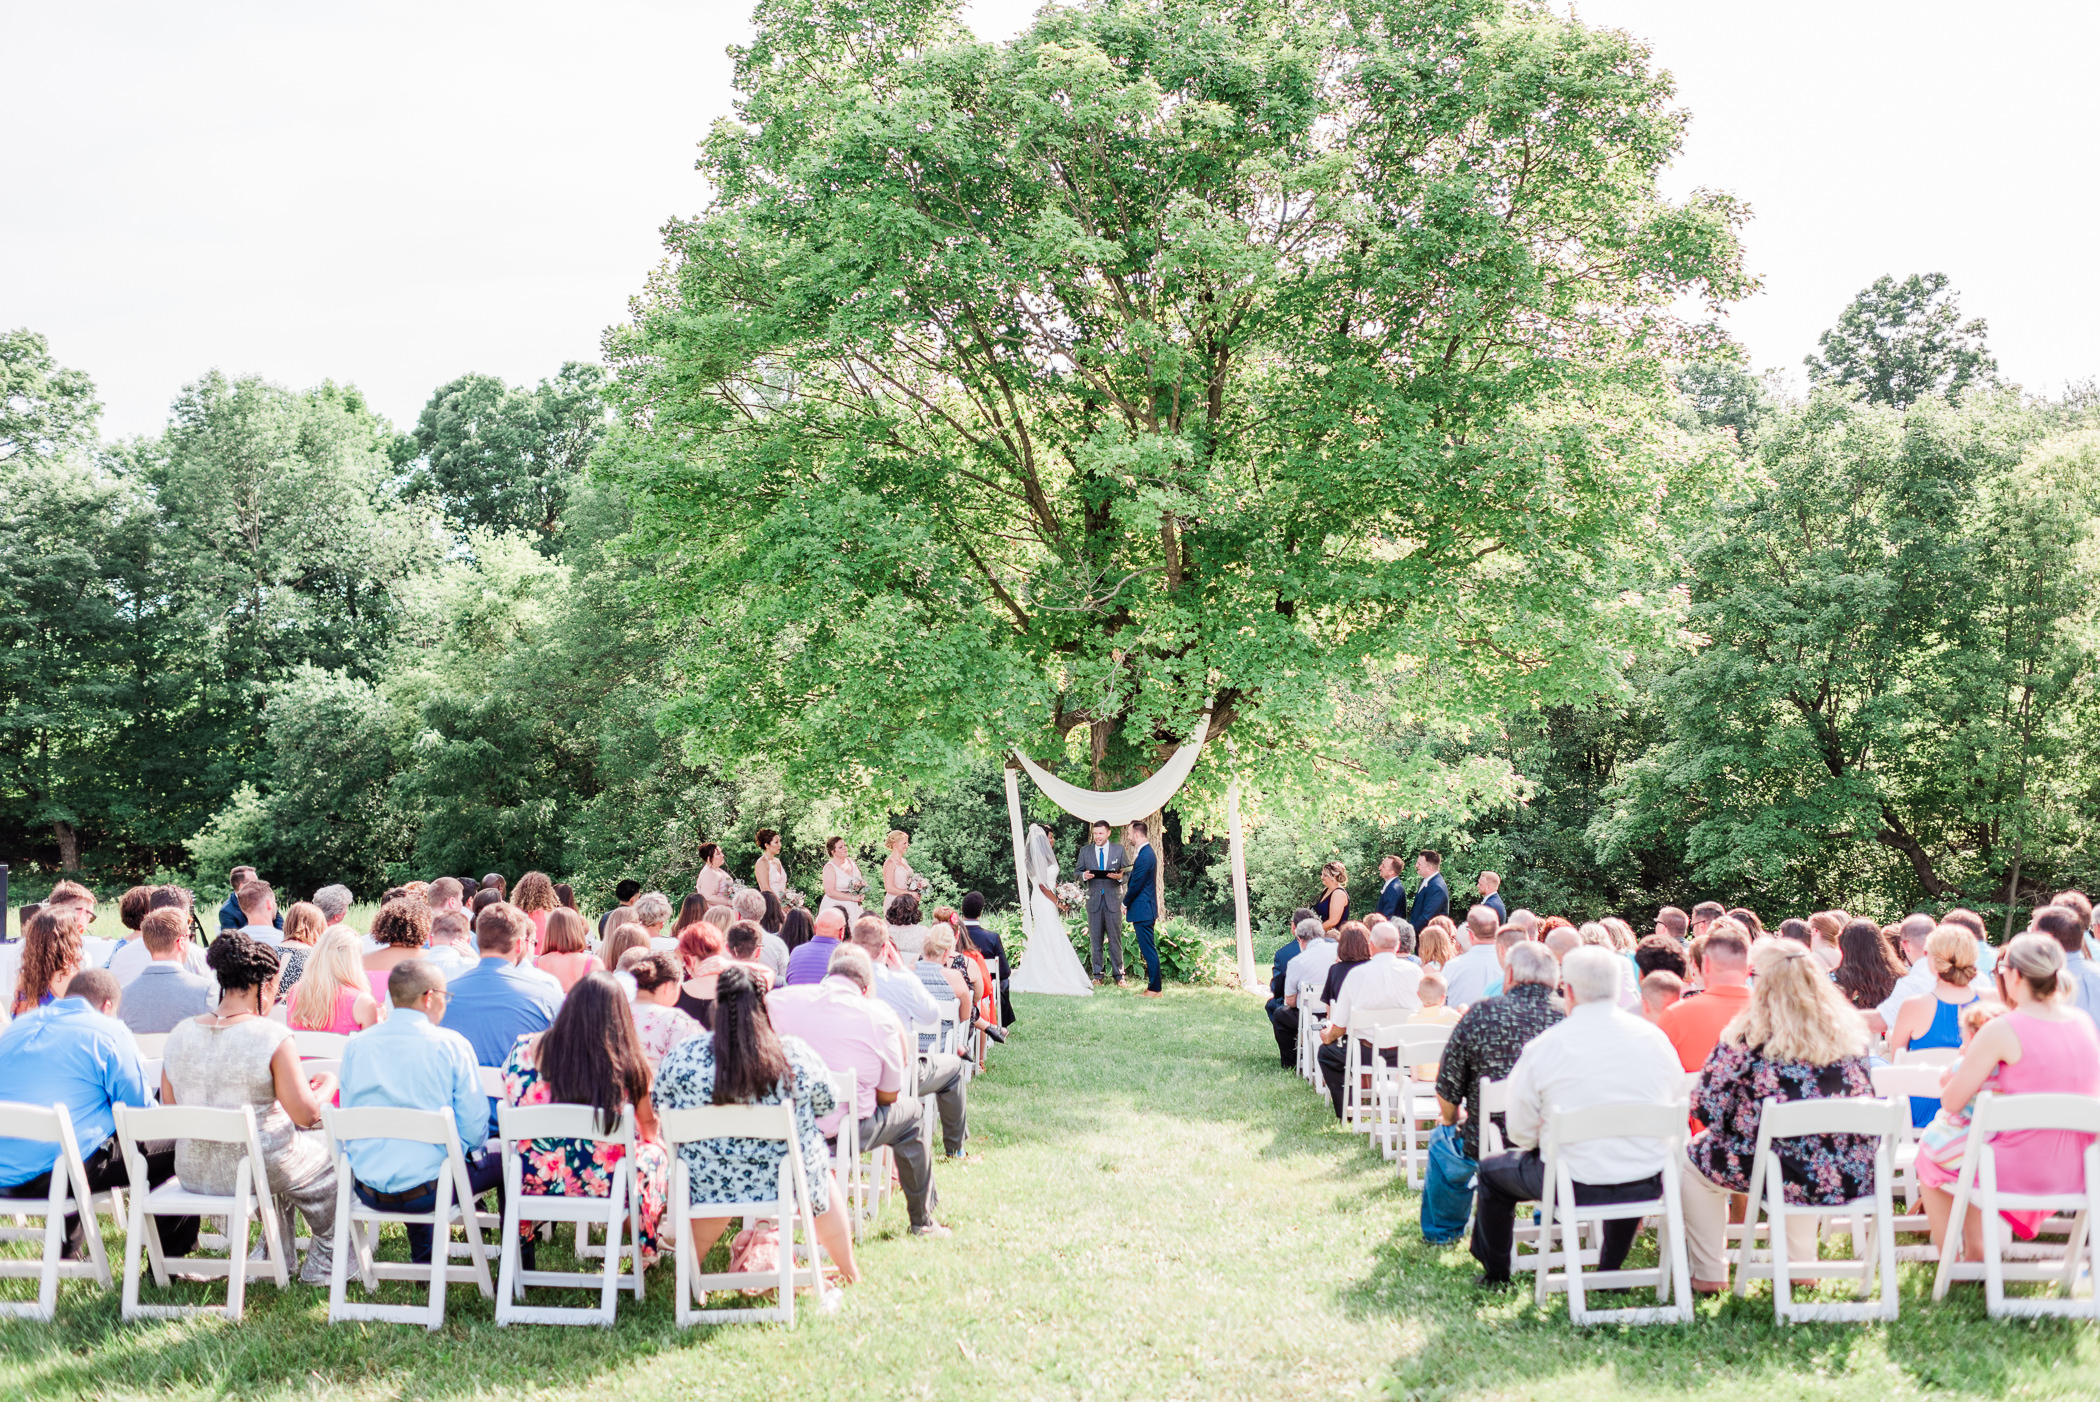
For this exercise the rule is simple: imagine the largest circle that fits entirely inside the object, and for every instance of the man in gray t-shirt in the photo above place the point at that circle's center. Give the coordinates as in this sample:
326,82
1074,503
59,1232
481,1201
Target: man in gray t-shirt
165,991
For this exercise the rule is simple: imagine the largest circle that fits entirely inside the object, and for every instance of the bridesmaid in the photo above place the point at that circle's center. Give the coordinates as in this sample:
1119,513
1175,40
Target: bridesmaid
714,881
1333,905
898,879
843,883
771,873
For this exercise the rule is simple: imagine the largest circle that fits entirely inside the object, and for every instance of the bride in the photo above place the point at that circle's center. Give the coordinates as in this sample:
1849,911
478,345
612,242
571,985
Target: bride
1048,963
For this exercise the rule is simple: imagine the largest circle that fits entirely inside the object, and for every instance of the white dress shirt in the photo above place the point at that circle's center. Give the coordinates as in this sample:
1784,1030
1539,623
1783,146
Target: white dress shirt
1473,975
1384,982
1310,965
1597,1055
1915,984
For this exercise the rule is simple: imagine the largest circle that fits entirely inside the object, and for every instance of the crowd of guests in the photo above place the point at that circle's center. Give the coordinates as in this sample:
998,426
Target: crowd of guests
732,995
1573,1016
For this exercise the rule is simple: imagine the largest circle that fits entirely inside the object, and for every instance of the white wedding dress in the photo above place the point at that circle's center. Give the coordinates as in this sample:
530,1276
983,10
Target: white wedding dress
1048,964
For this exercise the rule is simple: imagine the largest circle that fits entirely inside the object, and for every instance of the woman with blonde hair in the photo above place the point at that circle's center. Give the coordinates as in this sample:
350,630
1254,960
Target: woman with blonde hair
535,896
1623,939
1333,905
1796,1039
303,925
624,937
2043,1045
334,994
898,879
1933,1019
565,947
1438,944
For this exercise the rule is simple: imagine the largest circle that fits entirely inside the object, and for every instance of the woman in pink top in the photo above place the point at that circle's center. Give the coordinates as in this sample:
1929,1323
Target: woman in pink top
567,945
402,928
333,995
535,896
2044,1045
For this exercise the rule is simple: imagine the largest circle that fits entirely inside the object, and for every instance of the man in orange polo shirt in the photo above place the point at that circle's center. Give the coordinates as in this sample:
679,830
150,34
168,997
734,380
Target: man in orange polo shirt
1694,1024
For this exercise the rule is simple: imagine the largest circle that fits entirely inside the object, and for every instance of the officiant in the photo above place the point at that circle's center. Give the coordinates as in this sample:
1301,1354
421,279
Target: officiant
1101,868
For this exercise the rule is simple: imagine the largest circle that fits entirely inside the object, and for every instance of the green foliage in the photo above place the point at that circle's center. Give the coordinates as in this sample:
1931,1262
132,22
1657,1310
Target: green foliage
1163,357
1900,342
47,412
501,459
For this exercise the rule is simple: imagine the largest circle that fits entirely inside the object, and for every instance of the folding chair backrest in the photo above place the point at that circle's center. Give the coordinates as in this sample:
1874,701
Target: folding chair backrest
1927,1056
328,1045
1907,1080
1366,1021
560,1122
492,1081
388,1122
215,1126
37,1123
1494,1097
774,1122
1792,1118
2001,1114
1414,1044
150,1043
1627,1121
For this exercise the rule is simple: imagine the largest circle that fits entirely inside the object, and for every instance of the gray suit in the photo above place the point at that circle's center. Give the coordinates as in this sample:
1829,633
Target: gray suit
1104,905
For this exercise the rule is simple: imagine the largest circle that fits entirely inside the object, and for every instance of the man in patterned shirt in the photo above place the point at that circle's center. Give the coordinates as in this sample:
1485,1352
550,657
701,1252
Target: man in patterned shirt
1485,1044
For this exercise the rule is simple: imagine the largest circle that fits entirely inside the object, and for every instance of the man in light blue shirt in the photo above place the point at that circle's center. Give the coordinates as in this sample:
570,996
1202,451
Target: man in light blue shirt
1477,973
411,1063
74,1052
2063,924
494,1004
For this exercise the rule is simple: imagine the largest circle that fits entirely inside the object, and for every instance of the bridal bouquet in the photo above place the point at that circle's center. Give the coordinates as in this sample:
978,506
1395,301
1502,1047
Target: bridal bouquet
1069,893
853,885
795,900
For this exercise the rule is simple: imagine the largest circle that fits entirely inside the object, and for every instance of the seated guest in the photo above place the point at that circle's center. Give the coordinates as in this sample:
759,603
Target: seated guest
1694,1025
1797,1039
496,1004
852,1030
303,925
689,913
965,960
401,931
1310,968
1283,1010
494,881
452,948
699,949
946,986
1381,981
1672,924
129,956
905,930
807,964
1436,1012
1485,1044
231,915
1477,972
589,1056
2064,923
1703,915
751,905
652,911
565,951
1439,944
940,1073
2042,1046
50,952
165,991
237,1057
623,893
411,1063
335,996
1661,952
1911,936
1352,950
744,1061
535,896
73,1052
334,902
992,948
1933,1020
1598,1055
797,929
259,918
624,937
658,1023
1660,991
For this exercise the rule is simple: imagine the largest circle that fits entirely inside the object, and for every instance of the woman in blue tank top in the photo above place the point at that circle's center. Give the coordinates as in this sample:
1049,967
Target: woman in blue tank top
1934,1019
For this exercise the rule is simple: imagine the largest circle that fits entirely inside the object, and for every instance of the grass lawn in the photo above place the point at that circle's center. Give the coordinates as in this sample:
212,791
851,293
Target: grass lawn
1157,1212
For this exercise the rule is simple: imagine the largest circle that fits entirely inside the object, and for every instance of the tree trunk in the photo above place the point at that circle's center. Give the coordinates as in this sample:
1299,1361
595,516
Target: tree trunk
68,845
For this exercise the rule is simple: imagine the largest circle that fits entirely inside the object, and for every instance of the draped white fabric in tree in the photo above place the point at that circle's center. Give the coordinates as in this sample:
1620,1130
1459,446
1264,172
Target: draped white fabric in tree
1119,807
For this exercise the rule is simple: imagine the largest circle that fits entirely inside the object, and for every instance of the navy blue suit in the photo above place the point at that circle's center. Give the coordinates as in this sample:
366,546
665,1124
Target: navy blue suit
1141,907
1392,898
1431,900
1493,901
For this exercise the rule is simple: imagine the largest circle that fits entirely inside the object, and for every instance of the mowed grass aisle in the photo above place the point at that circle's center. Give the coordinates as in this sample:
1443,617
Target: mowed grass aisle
1155,1212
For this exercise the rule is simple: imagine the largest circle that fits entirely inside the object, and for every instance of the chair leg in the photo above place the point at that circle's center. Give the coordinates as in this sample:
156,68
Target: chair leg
237,1245
1782,1255
346,1242
440,1252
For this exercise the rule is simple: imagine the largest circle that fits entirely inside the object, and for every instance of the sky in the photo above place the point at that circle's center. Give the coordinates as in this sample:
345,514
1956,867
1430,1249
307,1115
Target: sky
393,195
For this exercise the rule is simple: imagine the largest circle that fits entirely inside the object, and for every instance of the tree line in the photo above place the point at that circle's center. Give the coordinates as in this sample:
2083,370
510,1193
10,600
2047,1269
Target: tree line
1312,370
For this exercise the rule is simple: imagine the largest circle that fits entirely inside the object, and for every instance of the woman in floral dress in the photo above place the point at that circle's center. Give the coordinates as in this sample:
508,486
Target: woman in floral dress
745,1062
591,1056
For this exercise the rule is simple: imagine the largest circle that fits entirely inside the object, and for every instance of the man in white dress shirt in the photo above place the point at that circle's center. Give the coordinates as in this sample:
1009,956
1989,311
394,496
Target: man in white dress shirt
1310,966
1915,930
1597,1055
1384,982
258,902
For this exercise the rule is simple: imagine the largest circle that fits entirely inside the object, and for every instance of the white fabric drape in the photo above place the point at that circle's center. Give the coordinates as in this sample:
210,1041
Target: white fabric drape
1123,805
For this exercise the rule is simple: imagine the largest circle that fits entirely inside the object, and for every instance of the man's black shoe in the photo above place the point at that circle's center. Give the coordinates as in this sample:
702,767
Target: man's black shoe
1485,1281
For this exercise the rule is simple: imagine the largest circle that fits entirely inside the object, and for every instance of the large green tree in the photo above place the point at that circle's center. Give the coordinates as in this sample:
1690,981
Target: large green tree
1171,355
1899,342
498,458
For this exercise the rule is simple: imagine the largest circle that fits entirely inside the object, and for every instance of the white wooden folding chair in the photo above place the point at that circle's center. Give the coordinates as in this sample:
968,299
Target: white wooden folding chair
1883,1120
1311,1022
250,1198
150,1044
1404,1108
1900,1083
455,1204
845,1154
1941,1057
1671,1276
799,1262
1356,1069
1978,1187
52,1124
319,1046
618,1211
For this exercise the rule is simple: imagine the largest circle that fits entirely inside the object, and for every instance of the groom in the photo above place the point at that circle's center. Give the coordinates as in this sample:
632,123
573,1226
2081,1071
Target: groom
1141,899
1101,867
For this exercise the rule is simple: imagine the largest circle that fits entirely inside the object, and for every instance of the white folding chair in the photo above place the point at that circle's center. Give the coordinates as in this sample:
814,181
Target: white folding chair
52,1124
1978,1187
845,1154
1900,1083
1942,1057
250,1198
1404,1107
455,1203
1311,1022
618,1210
1671,1276
789,1207
150,1044
1881,1119
319,1046
1356,1096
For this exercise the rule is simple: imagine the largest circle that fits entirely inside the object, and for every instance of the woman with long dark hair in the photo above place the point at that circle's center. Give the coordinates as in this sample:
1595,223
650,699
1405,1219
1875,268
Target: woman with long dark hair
1867,971
53,950
745,1062
591,1056
797,929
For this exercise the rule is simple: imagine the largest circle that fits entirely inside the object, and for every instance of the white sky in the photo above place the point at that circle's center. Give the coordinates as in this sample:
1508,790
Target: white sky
393,194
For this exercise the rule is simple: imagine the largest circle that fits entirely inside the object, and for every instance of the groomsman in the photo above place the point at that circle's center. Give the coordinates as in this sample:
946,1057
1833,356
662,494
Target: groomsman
1432,897
1141,898
1392,901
